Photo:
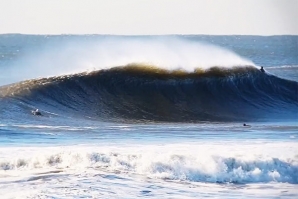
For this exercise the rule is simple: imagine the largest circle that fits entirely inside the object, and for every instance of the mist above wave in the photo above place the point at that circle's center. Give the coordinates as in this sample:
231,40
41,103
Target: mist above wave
71,56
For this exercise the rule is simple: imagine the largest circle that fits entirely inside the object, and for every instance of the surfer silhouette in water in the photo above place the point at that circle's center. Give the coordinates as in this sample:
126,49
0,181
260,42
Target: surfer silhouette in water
262,69
246,125
36,112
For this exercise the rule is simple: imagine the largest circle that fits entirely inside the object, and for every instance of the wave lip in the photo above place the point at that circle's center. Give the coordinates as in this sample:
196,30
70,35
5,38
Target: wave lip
139,92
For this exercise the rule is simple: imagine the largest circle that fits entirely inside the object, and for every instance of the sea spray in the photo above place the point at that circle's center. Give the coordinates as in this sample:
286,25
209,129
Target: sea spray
74,55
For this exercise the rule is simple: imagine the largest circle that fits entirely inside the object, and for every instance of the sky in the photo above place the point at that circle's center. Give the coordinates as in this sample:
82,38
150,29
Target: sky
150,17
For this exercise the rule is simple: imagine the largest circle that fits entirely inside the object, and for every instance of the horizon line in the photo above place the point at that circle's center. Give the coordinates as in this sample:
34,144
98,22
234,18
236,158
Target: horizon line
172,34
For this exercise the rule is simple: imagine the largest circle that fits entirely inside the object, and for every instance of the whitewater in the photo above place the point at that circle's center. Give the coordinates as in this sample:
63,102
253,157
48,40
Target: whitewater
148,116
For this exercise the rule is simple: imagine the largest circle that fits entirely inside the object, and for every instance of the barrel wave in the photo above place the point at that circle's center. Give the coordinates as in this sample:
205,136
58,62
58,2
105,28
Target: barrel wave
144,93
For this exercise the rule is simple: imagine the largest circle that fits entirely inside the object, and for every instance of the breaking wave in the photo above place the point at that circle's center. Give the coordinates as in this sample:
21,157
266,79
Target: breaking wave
168,166
139,92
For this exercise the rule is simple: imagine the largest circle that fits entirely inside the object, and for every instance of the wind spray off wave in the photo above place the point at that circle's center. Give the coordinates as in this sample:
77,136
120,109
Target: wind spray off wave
75,55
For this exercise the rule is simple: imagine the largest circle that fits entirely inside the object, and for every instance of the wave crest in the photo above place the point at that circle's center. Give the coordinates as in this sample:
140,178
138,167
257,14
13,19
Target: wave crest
139,92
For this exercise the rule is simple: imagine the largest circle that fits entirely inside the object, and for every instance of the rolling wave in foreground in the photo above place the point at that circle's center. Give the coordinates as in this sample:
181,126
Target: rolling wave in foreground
140,92
191,164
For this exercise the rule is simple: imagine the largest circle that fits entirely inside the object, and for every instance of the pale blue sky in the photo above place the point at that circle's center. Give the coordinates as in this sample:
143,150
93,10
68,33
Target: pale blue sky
139,17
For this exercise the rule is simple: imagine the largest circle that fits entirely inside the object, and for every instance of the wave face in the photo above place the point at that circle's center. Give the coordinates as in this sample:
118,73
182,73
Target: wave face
147,93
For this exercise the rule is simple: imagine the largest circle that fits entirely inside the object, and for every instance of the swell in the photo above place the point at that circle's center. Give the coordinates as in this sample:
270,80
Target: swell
148,93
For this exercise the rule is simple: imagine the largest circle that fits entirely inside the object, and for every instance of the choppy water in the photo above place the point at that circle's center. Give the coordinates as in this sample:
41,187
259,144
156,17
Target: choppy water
156,117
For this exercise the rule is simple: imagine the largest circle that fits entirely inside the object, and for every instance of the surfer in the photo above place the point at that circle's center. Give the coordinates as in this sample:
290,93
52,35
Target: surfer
246,125
262,69
36,112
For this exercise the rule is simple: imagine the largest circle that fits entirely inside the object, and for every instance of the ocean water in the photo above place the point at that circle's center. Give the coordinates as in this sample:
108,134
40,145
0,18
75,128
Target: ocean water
148,116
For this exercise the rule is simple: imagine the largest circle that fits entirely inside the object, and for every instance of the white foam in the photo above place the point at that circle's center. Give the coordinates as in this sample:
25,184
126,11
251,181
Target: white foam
188,162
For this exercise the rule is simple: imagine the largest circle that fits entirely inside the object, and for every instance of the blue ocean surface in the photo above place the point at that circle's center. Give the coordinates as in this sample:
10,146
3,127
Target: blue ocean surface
148,116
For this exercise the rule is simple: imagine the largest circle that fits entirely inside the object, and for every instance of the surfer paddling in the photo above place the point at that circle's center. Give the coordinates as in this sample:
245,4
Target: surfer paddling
36,112
246,125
